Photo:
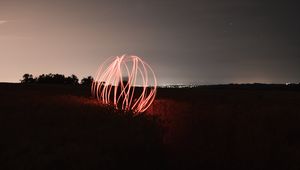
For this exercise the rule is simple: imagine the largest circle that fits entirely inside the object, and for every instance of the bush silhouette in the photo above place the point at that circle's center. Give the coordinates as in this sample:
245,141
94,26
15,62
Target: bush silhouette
28,78
87,81
72,80
50,79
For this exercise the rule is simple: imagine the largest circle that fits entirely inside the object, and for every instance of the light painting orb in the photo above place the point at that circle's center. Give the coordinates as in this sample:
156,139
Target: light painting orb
126,82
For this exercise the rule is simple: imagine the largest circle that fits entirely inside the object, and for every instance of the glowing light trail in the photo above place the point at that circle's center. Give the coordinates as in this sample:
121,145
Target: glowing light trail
117,80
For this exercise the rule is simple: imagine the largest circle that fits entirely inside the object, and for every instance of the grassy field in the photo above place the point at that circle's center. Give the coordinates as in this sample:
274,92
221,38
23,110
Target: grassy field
212,127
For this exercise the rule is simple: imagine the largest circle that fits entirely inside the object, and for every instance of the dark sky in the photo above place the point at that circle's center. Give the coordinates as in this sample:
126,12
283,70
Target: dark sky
185,41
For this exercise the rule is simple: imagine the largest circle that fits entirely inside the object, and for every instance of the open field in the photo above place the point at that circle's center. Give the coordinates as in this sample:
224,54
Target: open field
213,127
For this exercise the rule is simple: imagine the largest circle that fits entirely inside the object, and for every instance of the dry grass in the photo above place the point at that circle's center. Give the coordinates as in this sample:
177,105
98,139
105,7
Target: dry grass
47,127
61,127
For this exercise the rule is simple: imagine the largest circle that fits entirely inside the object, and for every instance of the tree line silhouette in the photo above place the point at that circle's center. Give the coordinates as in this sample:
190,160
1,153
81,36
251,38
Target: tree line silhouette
55,79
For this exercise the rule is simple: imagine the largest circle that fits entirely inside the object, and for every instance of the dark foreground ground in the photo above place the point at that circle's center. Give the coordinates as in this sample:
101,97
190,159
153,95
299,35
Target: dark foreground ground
51,127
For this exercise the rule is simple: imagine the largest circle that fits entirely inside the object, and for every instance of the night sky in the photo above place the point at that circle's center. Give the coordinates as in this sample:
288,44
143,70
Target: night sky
185,41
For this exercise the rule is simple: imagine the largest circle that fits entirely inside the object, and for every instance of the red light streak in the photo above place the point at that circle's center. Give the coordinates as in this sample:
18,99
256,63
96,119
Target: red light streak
109,86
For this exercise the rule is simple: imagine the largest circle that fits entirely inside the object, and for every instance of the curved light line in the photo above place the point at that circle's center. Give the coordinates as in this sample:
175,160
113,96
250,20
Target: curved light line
109,88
